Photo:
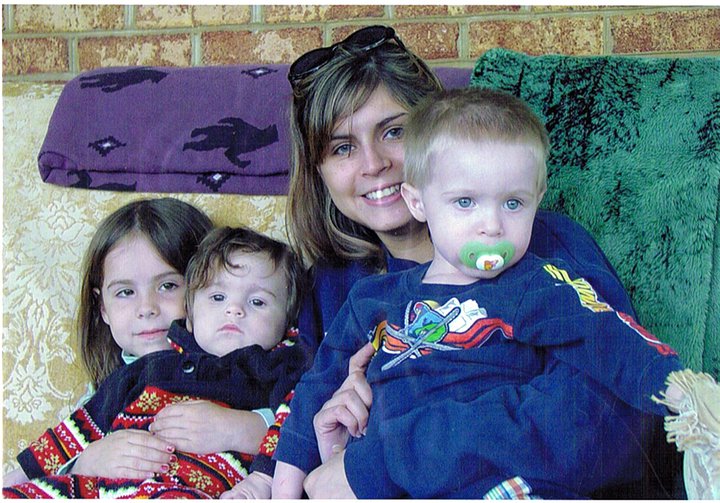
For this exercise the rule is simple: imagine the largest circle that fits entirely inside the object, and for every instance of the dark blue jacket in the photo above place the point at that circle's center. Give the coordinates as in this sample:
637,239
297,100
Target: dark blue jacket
550,384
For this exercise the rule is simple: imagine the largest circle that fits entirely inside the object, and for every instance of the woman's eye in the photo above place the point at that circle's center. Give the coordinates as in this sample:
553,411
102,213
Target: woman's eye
257,302
464,202
512,204
343,150
395,133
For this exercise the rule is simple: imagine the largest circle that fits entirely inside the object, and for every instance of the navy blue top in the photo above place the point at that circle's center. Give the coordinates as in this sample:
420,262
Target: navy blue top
554,236
530,373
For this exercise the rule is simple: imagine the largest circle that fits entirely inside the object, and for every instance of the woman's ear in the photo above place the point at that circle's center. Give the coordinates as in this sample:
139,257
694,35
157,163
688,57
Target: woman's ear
413,200
103,313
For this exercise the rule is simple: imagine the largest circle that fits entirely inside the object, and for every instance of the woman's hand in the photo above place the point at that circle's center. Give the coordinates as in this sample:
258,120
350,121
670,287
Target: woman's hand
329,480
256,486
202,427
347,412
133,454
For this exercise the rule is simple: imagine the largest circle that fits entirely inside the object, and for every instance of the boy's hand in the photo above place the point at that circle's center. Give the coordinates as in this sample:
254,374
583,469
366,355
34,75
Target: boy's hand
329,480
287,482
202,427
347,412
133,454
257,486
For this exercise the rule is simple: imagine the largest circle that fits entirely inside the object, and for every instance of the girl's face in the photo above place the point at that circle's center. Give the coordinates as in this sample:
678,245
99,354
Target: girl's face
363,166
140,296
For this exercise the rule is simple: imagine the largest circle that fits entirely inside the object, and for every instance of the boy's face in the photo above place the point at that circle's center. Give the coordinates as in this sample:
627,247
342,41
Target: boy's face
485,192
241,307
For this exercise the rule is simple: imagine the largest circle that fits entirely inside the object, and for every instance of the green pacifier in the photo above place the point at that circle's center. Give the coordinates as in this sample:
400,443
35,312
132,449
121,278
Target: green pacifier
487,257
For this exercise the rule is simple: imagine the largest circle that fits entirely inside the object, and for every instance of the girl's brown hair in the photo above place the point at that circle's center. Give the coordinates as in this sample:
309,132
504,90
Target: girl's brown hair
320,100
175,229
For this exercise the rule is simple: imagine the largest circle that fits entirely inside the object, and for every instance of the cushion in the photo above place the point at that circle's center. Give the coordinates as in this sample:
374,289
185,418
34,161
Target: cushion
213,129
635,159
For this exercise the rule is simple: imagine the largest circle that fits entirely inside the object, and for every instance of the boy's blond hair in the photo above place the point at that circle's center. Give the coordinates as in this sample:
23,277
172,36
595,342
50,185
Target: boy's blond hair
469,115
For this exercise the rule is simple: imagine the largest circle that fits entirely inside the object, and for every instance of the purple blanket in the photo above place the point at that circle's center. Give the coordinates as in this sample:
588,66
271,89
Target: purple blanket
222,129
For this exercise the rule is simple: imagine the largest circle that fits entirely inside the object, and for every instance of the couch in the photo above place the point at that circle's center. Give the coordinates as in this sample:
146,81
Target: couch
636,160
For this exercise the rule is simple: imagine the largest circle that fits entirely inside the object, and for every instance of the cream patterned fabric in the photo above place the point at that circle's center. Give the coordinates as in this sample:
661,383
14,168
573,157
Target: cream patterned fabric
46,229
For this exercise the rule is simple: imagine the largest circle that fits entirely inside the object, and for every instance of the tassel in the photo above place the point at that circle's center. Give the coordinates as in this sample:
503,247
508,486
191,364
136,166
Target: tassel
695,430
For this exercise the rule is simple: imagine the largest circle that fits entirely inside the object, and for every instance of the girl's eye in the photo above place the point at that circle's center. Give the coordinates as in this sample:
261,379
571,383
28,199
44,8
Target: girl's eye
125,292
217,297
512,204
464,202
257,302
395,133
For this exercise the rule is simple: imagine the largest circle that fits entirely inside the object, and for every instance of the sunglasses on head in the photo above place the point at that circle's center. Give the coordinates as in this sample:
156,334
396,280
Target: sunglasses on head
364,40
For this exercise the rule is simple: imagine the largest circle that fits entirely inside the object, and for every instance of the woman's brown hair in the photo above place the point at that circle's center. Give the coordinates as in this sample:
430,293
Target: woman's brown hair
318,230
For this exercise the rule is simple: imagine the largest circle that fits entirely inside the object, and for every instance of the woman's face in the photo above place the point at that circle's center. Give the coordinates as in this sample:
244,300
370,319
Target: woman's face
363,165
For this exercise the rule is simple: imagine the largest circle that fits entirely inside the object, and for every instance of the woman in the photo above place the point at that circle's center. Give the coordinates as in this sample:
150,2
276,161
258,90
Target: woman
348,220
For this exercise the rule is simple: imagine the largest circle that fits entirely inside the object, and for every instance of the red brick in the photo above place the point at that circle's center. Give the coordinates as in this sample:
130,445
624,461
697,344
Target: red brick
271,46
35,55
213,15
315,13
574,36
60,18
427,40
418,11
688,30
160,50
163,16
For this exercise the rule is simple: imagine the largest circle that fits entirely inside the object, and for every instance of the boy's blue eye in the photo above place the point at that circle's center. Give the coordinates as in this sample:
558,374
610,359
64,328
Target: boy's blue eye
464,202
513,204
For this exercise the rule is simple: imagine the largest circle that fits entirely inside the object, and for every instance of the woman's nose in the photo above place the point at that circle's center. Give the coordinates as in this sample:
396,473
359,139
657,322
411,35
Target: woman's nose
375,160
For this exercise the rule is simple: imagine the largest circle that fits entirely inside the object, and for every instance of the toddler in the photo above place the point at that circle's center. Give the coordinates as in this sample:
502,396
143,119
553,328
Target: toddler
484,327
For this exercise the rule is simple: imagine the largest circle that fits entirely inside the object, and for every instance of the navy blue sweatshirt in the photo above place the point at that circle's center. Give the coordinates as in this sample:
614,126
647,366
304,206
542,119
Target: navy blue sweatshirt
472,385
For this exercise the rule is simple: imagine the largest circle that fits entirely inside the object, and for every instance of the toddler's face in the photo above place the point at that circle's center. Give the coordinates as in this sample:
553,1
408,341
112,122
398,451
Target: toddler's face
486,192
241,307
140,296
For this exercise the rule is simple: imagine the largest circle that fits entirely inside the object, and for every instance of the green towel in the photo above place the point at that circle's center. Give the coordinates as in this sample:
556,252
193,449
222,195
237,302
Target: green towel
635,158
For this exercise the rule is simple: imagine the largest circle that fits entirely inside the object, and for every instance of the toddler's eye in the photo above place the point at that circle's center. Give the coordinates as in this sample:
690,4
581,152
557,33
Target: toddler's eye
513,204
217,297
169,286
464,202
257,302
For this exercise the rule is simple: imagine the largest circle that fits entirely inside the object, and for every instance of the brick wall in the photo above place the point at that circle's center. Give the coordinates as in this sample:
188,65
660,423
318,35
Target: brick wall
56,42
